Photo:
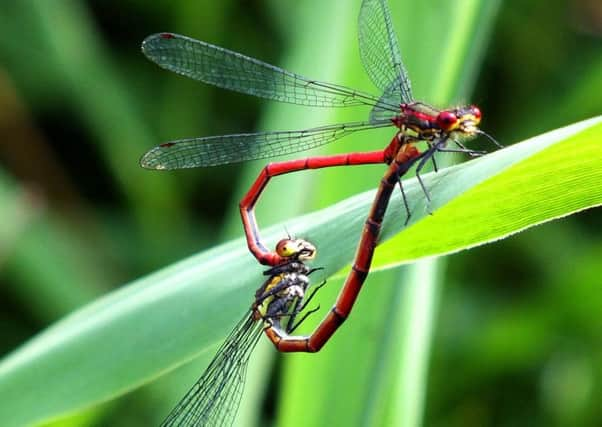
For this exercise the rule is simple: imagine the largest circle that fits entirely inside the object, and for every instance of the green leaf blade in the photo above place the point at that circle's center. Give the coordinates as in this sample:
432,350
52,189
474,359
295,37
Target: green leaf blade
541,179
135,334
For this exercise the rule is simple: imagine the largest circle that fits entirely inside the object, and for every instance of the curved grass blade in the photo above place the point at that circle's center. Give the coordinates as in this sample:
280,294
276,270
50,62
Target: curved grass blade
186,297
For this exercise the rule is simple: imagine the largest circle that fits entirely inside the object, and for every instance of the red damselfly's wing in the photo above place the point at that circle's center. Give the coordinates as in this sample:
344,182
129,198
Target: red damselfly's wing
219,150
381,56
231,70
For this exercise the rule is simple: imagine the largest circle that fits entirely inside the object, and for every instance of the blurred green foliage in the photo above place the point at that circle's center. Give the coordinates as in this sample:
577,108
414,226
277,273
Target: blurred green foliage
517,339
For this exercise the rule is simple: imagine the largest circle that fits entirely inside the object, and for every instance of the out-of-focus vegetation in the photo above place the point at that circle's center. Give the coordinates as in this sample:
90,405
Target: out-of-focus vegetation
517,335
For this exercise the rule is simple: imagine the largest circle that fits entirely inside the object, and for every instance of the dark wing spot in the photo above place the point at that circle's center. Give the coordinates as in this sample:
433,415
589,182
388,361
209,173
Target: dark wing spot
167,144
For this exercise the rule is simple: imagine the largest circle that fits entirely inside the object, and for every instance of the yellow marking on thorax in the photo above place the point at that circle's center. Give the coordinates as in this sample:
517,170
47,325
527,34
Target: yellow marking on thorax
263,307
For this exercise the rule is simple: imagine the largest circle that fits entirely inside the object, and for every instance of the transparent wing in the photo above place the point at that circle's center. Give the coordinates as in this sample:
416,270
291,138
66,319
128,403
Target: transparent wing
219,150
231,70
391,95
214,399
380,53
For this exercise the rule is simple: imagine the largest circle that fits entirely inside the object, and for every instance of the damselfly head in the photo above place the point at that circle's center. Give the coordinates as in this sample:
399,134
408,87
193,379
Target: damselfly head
298,249
466,121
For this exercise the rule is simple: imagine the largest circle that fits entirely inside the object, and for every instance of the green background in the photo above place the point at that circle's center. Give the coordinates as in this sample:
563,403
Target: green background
507,334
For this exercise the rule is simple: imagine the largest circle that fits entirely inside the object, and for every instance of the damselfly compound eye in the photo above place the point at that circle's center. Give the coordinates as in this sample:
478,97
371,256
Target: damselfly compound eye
286,248
476,112
446,120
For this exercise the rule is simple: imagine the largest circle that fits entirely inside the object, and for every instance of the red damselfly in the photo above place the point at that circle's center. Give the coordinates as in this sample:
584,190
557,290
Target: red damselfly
415,122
